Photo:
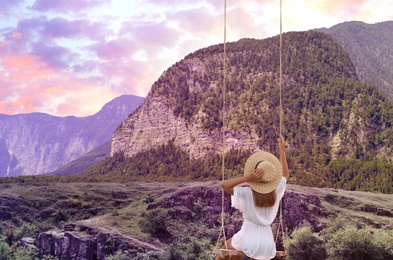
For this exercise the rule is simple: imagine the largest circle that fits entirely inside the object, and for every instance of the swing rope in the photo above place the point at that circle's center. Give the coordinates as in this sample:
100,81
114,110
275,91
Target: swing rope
281,123
222,229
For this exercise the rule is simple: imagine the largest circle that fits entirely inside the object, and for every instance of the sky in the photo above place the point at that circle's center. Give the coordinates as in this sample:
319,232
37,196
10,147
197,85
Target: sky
71,57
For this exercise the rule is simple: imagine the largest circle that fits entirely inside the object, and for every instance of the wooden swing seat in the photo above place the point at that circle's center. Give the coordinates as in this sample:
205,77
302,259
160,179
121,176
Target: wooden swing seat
281,254
233,252
227,252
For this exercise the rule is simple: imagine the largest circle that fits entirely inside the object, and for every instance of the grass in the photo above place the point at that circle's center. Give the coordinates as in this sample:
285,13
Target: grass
118,207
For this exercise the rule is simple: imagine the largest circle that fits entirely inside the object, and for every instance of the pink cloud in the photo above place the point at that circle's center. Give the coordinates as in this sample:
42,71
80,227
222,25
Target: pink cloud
23,68
16,36
346,6
58,94
21,105
240,22
115,49
66,5
151,34
198,21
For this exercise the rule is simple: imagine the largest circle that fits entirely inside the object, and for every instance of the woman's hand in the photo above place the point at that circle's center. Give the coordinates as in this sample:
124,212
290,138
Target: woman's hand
281,144
256,175
228,185
283,158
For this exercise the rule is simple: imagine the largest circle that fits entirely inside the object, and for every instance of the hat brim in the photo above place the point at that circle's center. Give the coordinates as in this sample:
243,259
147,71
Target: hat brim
249,167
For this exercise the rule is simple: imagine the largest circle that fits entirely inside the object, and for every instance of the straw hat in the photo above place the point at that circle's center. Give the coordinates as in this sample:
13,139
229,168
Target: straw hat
272,171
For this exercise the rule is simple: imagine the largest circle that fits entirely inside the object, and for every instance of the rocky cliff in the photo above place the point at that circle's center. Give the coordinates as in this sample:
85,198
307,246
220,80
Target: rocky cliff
32,144
78,246
155,124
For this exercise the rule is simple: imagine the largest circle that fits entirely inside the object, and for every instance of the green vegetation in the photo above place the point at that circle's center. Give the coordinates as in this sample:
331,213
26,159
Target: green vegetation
305,245
153,222
373,64
344,239
5,251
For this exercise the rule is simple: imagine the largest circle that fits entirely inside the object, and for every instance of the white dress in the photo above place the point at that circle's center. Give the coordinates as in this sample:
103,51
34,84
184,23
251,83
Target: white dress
255,237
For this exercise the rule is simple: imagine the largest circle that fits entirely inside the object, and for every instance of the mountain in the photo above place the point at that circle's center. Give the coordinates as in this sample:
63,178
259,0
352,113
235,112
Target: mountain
85,161
338,128
370,48
37,143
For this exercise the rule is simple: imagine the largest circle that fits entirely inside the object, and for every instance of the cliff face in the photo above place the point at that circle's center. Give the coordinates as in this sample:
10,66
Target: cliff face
73,245
155,124
32,144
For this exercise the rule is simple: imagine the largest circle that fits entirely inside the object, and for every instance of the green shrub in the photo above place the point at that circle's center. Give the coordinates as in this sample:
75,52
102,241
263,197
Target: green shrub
110,245
49,257
148,199
339,223
5,251
120,255
60,217
303,244
26,230
384,241
151,255
353,243
25,253
154,223
173,252
194,250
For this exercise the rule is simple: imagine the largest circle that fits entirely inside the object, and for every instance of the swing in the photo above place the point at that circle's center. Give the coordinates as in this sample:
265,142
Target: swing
224,252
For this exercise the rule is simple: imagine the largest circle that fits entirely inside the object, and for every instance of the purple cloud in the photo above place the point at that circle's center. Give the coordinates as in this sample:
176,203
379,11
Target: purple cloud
6,4
66,5
151,34
115,49
54,56
41,27
60,27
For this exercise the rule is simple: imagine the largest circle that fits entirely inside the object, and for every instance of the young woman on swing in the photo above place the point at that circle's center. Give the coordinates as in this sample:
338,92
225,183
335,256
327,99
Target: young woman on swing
258,202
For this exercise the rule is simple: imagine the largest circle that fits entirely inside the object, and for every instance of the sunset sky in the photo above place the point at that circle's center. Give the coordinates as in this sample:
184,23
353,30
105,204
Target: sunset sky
70,57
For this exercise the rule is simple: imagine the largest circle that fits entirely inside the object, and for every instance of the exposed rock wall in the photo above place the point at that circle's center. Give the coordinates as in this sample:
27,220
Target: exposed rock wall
155,124
73,246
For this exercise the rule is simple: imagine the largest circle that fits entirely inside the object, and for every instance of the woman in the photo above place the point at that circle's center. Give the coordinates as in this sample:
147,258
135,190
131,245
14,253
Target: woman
258,202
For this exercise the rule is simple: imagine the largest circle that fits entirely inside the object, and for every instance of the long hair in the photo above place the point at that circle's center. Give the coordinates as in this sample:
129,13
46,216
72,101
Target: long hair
264,199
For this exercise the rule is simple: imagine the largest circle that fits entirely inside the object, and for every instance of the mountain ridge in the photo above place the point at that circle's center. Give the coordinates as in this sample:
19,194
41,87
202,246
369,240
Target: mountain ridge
369,46
37,143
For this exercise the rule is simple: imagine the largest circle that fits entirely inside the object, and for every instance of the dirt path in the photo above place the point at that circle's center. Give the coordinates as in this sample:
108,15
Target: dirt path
95,224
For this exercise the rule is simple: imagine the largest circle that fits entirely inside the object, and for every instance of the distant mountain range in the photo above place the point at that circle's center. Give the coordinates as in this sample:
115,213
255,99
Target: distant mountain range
37,143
